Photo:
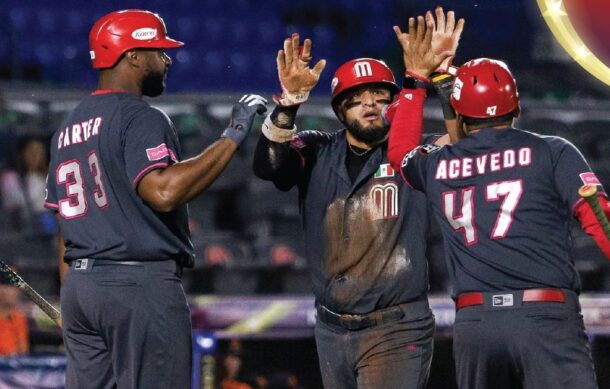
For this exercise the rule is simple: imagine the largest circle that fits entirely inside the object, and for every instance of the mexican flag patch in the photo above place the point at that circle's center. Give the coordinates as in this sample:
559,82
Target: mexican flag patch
385,170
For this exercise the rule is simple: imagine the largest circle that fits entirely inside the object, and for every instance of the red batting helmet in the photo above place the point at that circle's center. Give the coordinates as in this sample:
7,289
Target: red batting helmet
484,88
120,31
361,71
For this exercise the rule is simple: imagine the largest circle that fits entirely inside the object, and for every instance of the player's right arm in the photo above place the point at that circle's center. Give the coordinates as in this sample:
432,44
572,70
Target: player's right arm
281,155
173,185
425,47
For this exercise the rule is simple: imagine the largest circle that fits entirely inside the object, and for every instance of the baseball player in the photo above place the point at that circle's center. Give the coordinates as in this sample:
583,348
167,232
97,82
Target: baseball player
364,229
120,189
503,198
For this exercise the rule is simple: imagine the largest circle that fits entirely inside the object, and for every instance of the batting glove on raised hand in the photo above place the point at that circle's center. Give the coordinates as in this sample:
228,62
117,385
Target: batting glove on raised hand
242,117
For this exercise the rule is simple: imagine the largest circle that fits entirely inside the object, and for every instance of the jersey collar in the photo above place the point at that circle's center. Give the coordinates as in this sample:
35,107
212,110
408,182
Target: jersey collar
106,91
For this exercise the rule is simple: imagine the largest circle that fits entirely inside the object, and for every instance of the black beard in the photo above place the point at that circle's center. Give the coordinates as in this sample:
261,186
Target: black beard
153,85
370,135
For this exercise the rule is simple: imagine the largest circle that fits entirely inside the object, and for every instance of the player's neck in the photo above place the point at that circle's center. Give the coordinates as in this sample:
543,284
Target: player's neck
110,80
362,145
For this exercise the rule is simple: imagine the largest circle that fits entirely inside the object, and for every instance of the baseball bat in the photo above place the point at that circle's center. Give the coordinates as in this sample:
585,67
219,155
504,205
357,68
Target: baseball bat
589,194
16,280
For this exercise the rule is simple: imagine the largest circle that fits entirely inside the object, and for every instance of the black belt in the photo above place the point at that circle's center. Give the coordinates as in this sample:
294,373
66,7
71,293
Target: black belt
87,263
358,322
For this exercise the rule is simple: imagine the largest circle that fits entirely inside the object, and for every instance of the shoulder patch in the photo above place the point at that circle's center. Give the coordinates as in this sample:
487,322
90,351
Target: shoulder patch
589,178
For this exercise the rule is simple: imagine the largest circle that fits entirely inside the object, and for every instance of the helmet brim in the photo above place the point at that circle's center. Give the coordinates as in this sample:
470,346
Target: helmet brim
165,43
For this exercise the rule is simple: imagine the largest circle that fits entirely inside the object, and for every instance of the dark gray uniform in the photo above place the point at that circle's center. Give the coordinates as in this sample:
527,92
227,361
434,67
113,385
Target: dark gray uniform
503,199
125,317
365,246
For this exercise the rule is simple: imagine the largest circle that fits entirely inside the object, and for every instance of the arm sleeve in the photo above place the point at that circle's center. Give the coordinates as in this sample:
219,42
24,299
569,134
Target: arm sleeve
591,225
405,135
151,143
406,128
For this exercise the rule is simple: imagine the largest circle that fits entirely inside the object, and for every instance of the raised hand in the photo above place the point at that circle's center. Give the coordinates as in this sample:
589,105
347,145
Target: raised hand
242,117
417,53
446,35
296,77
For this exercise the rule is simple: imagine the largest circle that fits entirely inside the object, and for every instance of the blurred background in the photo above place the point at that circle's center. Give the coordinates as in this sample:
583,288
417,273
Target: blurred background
246,233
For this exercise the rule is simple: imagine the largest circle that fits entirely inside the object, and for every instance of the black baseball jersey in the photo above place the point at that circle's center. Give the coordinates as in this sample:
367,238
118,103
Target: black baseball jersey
107,144
365,240
503,199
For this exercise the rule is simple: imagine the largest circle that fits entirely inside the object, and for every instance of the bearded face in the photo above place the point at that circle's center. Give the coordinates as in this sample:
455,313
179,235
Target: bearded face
360,111
153,84
370,134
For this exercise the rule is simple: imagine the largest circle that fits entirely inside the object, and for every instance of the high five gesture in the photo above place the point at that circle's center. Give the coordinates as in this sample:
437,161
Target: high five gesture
296,77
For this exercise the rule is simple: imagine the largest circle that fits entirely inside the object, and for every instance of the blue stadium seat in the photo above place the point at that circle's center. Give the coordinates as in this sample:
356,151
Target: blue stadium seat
271,32
20,19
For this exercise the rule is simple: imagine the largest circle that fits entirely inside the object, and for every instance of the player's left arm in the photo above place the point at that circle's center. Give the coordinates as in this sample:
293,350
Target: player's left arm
426,47
51,203
571,172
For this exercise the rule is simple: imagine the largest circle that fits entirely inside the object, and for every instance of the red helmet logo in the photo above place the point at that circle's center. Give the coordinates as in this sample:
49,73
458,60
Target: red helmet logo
361,71
484,88
120,31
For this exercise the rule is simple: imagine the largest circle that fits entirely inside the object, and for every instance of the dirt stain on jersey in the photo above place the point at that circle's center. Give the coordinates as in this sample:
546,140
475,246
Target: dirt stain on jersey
361,249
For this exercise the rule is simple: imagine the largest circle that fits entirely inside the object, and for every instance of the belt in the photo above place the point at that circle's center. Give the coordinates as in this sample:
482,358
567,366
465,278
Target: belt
529,296
87,263
358,322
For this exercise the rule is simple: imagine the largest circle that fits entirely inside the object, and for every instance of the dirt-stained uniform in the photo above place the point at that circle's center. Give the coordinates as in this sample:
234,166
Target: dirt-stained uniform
365,245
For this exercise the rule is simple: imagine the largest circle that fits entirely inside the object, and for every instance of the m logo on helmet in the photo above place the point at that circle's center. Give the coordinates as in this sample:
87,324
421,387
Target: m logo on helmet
491,111
363,69
144,34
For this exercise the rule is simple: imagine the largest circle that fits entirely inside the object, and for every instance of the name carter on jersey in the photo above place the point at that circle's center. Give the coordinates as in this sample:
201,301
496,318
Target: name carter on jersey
79,132
469,166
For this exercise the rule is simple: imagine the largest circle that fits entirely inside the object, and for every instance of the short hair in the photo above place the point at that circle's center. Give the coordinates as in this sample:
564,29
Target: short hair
489,122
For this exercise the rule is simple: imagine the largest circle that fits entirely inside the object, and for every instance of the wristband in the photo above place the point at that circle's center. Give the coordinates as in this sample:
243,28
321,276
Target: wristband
275,133
288,99
443,84
413,83
234,134
417,76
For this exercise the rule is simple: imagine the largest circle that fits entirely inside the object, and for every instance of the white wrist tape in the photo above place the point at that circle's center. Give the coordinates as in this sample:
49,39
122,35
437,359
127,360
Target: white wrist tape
275,133
288,99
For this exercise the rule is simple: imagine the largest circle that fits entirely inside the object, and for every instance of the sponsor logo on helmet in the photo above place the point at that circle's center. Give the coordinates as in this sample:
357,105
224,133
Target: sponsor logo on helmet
144,34
363,69
333,84
457,88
